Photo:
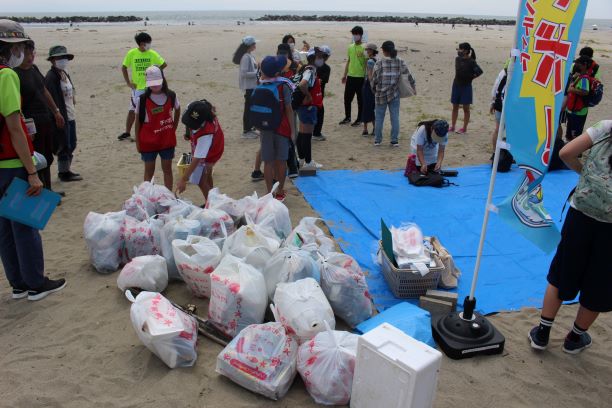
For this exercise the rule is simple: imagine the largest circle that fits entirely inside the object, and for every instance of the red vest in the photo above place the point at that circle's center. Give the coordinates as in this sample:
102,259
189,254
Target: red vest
218,140
158,133
7,151
316,92
284,129
576,102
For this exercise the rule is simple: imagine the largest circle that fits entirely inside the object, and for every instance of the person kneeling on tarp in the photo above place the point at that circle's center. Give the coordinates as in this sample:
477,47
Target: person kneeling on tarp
428,144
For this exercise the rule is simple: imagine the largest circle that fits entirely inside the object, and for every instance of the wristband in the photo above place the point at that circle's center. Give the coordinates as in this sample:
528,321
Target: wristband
32,174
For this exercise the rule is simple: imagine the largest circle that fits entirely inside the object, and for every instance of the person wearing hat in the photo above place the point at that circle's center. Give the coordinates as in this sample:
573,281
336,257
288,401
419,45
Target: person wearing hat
310,86
247,80
367,115
354,76
323,72
577,108
157,116
428,144
21,248
207,145
137,60
60,87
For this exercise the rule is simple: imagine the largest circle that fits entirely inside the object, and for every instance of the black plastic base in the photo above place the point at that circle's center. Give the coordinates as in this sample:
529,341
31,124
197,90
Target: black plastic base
459,338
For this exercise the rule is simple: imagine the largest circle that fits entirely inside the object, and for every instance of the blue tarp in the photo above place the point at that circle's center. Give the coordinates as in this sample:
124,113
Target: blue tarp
513,270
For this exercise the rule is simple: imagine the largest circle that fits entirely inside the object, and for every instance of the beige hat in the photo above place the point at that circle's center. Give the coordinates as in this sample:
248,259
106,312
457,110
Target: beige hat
371,46
12,32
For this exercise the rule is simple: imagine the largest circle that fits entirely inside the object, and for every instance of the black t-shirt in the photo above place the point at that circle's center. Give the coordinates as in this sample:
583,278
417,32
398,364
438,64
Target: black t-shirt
323,72
32,93
464,71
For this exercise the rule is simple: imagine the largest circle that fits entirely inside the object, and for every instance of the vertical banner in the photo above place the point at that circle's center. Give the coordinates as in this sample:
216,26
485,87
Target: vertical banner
547,38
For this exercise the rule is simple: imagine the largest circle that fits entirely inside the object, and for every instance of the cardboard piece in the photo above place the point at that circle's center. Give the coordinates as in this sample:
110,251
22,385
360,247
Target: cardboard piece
387,242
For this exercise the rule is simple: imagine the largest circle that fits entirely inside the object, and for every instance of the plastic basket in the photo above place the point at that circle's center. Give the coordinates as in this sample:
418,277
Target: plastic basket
182,166
408,283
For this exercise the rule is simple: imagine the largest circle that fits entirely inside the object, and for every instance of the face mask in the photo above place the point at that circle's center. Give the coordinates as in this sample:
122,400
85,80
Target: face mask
15,61
356,38
319,62
147,46
156,89
460,53
292,46
61,64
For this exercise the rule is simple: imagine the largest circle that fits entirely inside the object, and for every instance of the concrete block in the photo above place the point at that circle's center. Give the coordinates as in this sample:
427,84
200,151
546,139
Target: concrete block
443,295
435,306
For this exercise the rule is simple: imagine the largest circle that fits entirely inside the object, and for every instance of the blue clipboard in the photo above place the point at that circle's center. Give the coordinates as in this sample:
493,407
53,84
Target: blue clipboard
35,212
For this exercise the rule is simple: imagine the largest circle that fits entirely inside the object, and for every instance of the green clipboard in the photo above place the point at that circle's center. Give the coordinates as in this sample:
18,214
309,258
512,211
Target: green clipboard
387,242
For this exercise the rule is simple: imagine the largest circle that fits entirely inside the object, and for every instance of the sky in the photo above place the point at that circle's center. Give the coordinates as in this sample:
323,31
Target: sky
600,9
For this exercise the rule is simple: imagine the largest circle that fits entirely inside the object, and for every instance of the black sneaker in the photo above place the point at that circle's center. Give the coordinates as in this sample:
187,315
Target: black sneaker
123,136
20,293
68,177
257,175
536,342
575,347
345,121
394,144
48,287
357,123
293,174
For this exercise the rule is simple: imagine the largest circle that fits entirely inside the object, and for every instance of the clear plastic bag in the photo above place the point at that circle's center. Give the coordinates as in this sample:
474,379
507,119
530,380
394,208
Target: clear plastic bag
155,194
166,331
302,308
102,233
237,297
214,224
327,364
408,246
196,258
176,228
235,208
178,208
290,265
147,272
140,237
345,286
253,244
139,207
262,359
272,214
308,233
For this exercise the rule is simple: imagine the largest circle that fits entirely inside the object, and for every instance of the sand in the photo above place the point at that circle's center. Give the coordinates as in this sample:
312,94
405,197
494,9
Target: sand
77,348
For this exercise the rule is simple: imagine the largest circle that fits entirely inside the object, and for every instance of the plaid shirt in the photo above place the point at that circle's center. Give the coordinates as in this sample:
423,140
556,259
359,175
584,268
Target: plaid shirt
385,79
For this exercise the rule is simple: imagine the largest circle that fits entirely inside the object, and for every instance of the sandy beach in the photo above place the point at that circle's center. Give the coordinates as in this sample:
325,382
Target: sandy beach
77,348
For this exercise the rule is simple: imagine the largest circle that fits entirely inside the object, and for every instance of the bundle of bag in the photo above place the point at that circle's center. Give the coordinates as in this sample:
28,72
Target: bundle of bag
104,240
308,233
166,331
271,214
178,209
302,308
327,364
262,359
139,207
237,296
290,265
252,243
235,208
214,224
345,286
176,228
147,272
140,237
196,258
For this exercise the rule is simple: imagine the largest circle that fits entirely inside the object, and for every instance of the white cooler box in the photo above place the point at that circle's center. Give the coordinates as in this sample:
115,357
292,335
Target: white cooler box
393,370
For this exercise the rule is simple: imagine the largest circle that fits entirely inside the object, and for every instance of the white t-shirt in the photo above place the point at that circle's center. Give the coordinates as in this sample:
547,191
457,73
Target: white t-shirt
200,152
68,92
430,151
159,99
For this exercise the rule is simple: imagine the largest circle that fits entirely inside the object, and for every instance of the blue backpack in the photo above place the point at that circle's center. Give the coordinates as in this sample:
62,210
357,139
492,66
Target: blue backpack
265,112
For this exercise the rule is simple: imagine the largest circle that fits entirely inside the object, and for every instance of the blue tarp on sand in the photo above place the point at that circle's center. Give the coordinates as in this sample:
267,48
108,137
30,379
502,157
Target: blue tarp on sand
513,270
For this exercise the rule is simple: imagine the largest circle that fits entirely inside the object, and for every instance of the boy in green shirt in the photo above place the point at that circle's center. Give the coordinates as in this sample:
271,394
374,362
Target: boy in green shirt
577,109
138,60
354,76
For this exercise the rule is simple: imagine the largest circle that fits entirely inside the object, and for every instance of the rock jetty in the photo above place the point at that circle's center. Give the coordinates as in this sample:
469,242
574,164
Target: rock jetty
388,19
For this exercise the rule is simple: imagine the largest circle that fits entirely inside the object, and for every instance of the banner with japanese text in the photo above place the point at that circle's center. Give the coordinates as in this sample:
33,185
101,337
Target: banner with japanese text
548,32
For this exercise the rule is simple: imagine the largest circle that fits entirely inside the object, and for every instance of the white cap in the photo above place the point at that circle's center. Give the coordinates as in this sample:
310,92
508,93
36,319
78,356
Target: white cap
154,76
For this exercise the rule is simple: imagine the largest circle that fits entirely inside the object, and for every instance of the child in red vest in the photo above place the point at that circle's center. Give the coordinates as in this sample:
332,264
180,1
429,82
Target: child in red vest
207,144
156,125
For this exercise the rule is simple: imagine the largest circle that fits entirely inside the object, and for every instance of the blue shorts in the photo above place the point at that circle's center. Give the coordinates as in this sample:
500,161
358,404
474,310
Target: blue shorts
307,115
461,95
166,154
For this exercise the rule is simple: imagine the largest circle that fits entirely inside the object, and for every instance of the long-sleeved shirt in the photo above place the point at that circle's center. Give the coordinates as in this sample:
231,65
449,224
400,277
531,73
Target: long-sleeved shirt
247,77
386,77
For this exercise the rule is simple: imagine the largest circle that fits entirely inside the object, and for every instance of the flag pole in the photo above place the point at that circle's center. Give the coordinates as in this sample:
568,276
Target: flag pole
470,302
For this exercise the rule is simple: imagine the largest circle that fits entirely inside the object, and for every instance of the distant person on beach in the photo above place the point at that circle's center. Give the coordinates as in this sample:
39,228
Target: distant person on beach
295,54
59,85
158,112
247,80
466,70
428,143
577,108
323,72
310,85
385,84
498,93
207,146
367,115
21,248
137,60
581,265
354,76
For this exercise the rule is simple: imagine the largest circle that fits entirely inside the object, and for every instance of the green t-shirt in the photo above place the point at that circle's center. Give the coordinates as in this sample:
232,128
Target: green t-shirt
10,102
582,84
357,61
138,62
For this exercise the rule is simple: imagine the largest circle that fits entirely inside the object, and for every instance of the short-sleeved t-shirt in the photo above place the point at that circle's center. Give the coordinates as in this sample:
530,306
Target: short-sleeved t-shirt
357,61
430,150
138,62
581,84
159,99
464,71
32,88
10,94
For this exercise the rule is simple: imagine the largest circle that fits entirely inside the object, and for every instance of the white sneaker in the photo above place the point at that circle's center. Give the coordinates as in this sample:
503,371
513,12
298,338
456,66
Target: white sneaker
250,135
313,164
301,161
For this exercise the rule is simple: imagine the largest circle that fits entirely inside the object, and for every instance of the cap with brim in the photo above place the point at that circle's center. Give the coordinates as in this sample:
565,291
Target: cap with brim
196,114
12,32
440,131
154,76
271,66
59,51
371,46
249,40
326,49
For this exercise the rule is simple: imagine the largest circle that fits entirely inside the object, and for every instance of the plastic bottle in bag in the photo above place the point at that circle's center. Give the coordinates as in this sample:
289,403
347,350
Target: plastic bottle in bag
214,224
252,244
290,265
196,258
176,228
307,233
102,233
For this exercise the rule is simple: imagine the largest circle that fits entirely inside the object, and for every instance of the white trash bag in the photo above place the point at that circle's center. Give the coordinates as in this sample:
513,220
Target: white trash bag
272,214
214,224
156,194
178,208
235,208
141,237
302,308
176,228
345,286
139,207
262,359
102,233
237,296
290,265
196,258
253,244
167,332
327,364
147,272
408,246
307,233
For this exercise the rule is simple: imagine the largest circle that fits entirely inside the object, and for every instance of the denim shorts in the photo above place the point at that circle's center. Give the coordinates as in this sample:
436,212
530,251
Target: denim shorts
498,116
166,154
307,115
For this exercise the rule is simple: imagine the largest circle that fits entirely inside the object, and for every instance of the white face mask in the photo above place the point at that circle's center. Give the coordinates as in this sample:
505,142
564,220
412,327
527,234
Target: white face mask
319,62
147,46
61,64
16,61
292,46
356,38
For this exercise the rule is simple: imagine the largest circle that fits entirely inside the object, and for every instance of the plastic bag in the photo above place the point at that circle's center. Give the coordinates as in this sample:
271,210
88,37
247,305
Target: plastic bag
166,331
139,207
308,233
140,237
253,244
176,228
147,272
155,194
273,214
290,265
408,245
346,288
235,208
178,208
302,308
214,224
262,359
237,296
196,258
327,364
102,233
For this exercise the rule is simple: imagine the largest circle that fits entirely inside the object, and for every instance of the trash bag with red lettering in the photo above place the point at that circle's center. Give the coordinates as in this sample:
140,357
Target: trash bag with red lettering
102,233
147,272
196,258
214,224
139,207
290,265
272,214
141,237
307,233
176,228
253,244
156,194
235,208
262,359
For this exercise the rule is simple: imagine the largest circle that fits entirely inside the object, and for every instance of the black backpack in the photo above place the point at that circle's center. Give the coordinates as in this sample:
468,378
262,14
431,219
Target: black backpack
499,95
142,105
505,161
266,110
431,179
